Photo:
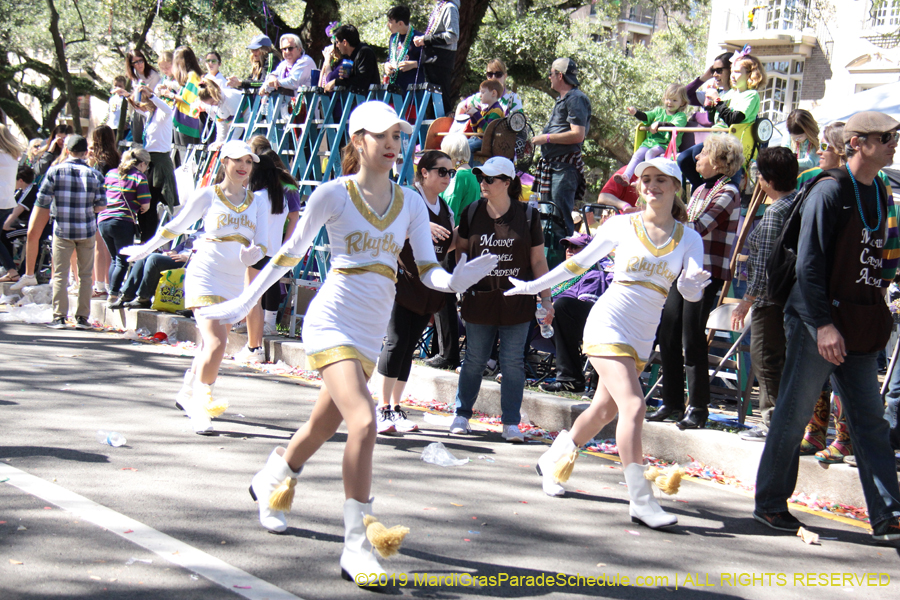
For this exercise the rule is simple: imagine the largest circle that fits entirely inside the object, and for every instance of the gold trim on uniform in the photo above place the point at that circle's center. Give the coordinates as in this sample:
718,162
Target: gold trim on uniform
379,223
324,358
167,235
198,301
378,268
264,249
235,237
649,285
285,260
425,267
614,350
248,200
574,268
641,233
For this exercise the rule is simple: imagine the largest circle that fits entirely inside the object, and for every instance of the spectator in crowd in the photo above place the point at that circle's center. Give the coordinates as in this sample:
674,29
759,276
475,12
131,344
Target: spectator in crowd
188,74
402,67
76,193
127,195
778,179
141,72
414,303
438,45
560,171
292,72
572,303
221,103
161,175
11,150
331,57
116,104
103,155
364,69
719,72
509,100
52,150
836,321
213,62
480,116
139,287
713,212
802,138
26,194
499,224
262,63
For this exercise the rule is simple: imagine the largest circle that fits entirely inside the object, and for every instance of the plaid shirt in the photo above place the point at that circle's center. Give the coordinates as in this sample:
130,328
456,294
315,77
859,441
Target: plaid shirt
74,189
717,225
761,242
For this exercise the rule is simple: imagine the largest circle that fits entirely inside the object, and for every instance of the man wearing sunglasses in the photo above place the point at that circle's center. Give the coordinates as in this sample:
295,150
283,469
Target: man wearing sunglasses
292,72
836,321
560,172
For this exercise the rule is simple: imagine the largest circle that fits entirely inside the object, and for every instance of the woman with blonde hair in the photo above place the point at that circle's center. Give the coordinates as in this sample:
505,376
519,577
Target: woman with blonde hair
11,150
620,329
345,323
226,103
802,138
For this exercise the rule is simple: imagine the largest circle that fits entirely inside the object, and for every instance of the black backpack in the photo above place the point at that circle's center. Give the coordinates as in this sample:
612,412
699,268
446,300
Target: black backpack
781,266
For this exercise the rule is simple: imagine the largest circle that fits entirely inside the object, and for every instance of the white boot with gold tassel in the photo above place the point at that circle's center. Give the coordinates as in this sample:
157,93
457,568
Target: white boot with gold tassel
187,390
273,488
555,465
644,508
363,535
195,407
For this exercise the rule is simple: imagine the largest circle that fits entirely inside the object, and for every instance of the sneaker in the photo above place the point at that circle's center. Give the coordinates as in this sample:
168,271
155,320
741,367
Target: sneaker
139,303
116,303
490,371
57,323
756,434
384,420
269,329
850,459
82,323
240,327
887,531
402,422
512,434
460,425
557,386
23,282
782,521
246,355
439,362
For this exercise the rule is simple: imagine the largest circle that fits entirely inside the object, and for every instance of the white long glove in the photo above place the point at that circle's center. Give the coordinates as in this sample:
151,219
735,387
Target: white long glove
466,274
233,311
691,285
144,250
251,255
559,274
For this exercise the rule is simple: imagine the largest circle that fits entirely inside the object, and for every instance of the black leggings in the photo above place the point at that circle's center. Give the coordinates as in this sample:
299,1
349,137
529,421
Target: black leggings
403,333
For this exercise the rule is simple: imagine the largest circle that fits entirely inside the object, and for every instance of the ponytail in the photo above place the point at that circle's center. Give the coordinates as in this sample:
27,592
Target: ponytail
350,156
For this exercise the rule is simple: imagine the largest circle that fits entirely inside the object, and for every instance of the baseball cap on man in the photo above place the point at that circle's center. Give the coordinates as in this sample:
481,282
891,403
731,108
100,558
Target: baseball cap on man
260,41
666,165
869,121
568,68
76,143
376,117
497,165
579,240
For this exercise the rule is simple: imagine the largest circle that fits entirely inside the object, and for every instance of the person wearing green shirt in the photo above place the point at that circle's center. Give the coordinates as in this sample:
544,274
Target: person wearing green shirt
670,114
463,189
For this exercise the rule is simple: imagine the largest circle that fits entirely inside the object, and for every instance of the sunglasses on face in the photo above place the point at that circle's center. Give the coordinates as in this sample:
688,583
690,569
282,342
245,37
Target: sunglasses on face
490,179
444,171
212,61
494,74
718,71
289,48
885,138
138,61
824,146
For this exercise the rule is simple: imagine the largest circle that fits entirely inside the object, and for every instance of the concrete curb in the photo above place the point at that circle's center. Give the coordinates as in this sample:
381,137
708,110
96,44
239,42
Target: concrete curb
722,450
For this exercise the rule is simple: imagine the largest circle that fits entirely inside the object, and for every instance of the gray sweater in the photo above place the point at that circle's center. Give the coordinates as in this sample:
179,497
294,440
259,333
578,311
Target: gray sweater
446,31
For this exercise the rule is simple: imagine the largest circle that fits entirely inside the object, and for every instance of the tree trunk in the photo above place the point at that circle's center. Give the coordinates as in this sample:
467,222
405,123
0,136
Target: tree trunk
471,14
140,39
316,17
64,67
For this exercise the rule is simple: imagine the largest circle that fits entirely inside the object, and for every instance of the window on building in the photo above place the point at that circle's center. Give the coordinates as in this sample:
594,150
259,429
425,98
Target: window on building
787,14
885,13
782,92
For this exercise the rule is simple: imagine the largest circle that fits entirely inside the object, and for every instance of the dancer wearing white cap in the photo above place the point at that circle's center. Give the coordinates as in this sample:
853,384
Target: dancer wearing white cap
368,218
652,248
236,224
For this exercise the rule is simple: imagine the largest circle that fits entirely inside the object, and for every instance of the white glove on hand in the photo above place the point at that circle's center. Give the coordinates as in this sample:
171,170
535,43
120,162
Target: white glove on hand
140,251
521,288
466,274
251,255
691,285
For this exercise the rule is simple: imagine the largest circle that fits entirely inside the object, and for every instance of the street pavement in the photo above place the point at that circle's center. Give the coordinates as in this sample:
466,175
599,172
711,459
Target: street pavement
168,515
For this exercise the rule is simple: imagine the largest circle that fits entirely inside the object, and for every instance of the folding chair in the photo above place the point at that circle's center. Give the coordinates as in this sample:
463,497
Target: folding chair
595,214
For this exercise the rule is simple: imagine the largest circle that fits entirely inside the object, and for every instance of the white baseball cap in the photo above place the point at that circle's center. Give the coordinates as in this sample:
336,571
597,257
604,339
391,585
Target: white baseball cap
497,165
237,149
666,165
376,117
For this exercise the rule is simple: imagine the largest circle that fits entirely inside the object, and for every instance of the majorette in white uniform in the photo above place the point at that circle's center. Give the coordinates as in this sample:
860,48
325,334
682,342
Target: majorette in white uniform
215,272
349,315
624,320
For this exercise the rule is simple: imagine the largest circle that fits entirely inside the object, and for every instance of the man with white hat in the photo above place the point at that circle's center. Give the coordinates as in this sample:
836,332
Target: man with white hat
560,172
836,322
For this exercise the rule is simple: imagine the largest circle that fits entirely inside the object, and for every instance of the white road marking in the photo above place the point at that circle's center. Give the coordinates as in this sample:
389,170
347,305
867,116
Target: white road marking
164,546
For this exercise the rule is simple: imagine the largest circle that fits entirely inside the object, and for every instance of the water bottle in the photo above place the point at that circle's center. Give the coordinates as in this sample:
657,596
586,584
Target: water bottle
539,314
110,438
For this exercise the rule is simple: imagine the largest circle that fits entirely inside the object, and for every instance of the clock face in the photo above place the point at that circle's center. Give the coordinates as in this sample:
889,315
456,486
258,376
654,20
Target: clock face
517,121
764,130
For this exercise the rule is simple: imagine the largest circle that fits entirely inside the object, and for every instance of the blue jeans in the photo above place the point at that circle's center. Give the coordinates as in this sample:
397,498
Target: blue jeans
892,407
117,234
563,185
479,341
145,274
856,381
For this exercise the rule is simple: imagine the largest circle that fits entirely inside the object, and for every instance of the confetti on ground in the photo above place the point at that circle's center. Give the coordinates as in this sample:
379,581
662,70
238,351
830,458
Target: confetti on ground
129,469
466,540
455,504
22,528
129,531
632,532
601,564
96,578
13,561
808,536
243,587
